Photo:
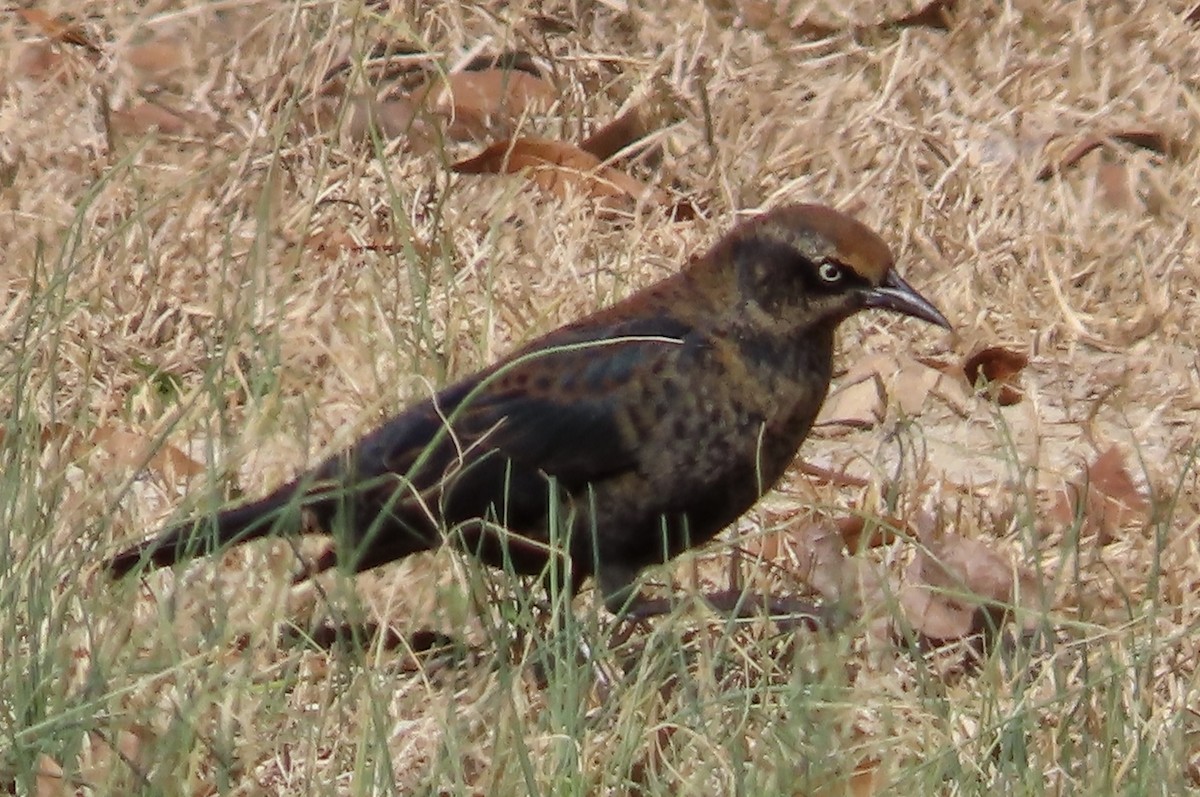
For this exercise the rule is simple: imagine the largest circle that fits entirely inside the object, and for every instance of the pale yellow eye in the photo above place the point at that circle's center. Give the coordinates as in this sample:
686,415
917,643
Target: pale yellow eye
829,272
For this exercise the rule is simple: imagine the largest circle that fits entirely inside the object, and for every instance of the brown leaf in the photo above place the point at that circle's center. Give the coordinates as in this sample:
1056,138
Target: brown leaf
494,96
559,168
632,126
860,532
58,29
859,404
866,780
48,778
814,30
1153,140
861,397
104,758
395,117
934,15
1000,369
815,552
1194,16
911,386
1104,496
134,450
145,117
653,765
950,586
155,58
41,60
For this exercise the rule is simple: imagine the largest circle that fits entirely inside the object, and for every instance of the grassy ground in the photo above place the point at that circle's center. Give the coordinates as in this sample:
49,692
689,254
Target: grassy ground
196,313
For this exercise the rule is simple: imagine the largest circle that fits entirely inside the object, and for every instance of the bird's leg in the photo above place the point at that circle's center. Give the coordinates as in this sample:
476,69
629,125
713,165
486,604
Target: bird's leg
787,612
618,586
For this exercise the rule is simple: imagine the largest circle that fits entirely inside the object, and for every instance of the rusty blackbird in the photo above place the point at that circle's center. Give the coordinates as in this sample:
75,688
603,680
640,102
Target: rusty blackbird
610,444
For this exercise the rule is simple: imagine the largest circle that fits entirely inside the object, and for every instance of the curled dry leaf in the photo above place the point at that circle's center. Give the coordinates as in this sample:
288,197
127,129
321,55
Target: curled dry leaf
1153,140
561,169
105,758
1104,497
952,586
635,123
816,554
860,532
145,117
155,59
491,92
42,60
58,29
934,15
134,450
861,397
1000,369
392,118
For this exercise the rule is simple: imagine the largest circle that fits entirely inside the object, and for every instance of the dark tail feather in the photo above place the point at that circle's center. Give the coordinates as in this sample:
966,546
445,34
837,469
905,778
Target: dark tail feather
278,512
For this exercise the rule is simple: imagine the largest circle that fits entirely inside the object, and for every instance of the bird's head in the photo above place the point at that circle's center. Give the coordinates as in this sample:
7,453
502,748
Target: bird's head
810,265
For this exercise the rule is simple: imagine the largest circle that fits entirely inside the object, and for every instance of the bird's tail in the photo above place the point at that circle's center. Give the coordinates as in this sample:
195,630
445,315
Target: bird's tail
276,513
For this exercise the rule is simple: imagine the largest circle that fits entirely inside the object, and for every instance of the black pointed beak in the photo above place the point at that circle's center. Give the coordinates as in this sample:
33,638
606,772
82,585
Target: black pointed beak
897,295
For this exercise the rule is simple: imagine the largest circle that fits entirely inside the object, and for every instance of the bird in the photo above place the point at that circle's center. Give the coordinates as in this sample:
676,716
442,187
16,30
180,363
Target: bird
609,445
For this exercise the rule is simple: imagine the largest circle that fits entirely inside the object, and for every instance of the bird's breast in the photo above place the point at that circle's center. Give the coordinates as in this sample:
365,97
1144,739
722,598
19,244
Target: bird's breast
719,409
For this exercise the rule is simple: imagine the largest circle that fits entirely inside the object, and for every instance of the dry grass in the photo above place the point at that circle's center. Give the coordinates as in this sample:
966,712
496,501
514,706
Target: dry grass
164,290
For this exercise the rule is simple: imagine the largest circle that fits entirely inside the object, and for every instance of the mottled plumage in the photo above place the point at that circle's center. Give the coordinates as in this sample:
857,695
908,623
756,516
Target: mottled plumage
650,425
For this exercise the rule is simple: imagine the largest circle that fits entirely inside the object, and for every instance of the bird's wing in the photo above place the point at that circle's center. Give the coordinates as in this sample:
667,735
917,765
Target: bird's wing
555,408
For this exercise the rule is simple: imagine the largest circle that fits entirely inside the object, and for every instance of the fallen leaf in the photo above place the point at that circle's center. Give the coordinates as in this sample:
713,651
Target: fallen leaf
395,117
58,29
1104,497
509,60
816,553
559,168
827,476
858,404
41,60
155,58
951,588
643,118
103,760
134,450
864,781
654,764
492,91
145,117
1153,140
48,778
934,15
860,532
911,386
1000,369
861,397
